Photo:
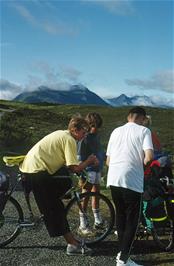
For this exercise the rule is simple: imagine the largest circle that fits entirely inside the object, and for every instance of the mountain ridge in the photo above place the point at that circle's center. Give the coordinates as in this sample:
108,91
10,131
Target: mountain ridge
75,95
79,94
124,100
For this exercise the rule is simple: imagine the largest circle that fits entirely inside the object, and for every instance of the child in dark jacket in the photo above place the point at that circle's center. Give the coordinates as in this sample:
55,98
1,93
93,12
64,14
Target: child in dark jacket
91,145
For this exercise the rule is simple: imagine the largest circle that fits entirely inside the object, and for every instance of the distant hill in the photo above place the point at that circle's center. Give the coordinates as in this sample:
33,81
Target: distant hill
22,124
124,100
77,94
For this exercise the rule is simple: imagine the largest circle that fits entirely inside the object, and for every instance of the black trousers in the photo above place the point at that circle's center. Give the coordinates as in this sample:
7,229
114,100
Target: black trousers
47,189
128,210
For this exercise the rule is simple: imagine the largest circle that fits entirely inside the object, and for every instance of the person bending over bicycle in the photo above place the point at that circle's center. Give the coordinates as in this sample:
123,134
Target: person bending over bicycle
48,159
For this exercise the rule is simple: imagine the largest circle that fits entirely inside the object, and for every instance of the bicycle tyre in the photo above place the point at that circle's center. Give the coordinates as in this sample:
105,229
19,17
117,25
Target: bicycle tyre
10,220
163,234
107,213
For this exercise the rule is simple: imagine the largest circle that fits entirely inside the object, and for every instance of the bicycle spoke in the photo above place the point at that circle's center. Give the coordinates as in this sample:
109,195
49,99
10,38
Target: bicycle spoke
92,233
10,222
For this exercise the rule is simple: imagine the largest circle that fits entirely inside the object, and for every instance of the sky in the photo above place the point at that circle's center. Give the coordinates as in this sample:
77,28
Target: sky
111,47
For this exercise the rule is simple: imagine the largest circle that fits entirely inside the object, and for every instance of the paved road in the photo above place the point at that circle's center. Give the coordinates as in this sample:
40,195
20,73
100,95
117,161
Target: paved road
35,248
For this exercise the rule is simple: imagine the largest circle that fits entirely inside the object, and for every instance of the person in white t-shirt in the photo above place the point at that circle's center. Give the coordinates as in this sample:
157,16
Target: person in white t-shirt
129,149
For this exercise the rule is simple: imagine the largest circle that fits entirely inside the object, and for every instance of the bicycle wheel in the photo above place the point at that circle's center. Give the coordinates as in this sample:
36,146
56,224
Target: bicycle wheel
10,220
163,234
106,211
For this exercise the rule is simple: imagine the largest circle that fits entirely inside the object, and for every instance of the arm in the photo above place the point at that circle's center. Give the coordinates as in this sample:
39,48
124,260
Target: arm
92,159
148,147
107,160
148,156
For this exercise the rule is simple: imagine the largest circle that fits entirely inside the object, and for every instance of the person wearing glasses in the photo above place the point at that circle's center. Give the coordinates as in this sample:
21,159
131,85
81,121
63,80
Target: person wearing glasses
54,155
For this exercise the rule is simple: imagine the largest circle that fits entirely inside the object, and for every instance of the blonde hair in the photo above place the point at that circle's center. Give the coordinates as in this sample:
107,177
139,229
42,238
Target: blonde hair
78,123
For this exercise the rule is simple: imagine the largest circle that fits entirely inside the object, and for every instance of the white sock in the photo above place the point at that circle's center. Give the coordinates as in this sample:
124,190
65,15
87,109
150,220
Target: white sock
83,220
97,216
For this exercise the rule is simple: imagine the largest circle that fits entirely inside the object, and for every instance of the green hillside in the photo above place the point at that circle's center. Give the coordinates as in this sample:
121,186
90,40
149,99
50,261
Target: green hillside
22,125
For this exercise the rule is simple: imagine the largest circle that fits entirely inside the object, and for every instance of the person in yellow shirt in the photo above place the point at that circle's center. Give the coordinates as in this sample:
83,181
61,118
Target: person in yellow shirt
56,154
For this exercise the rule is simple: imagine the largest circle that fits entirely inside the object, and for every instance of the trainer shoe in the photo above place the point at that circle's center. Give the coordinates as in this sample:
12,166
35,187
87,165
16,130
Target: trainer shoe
128,263
72,250
100,226
85,231
121,263
116,233
132,263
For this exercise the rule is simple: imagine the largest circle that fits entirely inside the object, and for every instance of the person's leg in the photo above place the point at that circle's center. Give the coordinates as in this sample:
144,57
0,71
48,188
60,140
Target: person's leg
132,205
96,207
95,200
46,190
47,198
83,215
120,214
95,178
148,223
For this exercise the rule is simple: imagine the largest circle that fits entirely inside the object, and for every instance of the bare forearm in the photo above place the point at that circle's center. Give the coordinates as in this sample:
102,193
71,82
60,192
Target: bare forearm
91,160
107,160
148,156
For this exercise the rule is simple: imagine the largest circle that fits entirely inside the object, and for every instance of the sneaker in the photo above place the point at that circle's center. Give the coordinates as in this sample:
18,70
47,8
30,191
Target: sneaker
85,231
120,263
132,263
72,250
128,263
115,233
101,225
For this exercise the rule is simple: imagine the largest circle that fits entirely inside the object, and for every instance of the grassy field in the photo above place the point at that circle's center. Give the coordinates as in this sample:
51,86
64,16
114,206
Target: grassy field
26,124
22,125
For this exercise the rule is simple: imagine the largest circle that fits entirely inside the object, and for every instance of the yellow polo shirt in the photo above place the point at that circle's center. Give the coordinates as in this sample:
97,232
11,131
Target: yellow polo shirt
51,153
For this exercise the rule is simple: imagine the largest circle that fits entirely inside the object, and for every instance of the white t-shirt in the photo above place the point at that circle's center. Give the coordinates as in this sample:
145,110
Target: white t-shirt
126,151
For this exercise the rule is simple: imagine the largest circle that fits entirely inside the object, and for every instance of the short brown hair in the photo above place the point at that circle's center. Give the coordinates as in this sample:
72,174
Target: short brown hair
78,123
94,120
139,111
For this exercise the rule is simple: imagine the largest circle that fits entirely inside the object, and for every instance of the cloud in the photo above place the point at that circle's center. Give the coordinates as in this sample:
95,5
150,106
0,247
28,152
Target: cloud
8,89
41,73
50,75
163,81
163,101
70,73
118,7
57,27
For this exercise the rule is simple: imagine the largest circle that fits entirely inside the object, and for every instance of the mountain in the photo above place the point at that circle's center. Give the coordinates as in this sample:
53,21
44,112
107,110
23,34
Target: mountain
124,100
77,94
121,100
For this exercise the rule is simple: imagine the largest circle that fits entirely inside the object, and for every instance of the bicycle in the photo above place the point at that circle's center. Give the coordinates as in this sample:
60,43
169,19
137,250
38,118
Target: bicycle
162,229
12,219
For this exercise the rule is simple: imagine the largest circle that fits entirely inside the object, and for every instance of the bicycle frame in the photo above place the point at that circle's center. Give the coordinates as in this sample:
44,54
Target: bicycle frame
32,221
73,190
